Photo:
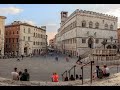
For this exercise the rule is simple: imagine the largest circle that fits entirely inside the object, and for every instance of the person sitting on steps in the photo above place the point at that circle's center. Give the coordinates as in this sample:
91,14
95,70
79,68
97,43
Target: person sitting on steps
98,73
106,72
72,78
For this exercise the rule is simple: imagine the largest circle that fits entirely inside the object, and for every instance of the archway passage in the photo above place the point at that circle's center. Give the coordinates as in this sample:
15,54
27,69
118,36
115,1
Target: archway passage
90,42
25,50
114,47
109,47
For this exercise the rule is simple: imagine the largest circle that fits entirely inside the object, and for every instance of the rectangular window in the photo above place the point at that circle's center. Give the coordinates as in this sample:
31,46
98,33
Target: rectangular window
10,32
24,30
6,40
13,40
33,43
28,38
6,33
17,39
24,38
17,32
6,46
83,40
28,30
34,35
9,40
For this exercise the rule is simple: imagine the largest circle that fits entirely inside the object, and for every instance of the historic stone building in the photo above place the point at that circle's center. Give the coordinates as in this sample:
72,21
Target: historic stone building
83,30
118,33
24,39
52,43
2,30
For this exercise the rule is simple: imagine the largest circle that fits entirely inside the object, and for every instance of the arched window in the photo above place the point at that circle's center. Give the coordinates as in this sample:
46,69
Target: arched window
96,25
111,27
83,23
90,24
106,26
17,32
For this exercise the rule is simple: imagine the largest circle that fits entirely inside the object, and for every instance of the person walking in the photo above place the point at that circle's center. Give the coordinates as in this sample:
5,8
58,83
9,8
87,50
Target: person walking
67,59
22,57
56,58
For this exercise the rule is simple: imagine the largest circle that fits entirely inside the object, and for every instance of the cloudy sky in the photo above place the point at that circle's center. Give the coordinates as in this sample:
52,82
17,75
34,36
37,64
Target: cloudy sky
49,14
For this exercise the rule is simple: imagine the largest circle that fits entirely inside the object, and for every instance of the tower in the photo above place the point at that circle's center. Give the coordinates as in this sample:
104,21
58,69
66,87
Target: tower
64,15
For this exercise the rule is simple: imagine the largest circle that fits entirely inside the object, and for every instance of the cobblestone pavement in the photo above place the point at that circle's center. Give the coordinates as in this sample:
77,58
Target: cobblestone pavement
41,68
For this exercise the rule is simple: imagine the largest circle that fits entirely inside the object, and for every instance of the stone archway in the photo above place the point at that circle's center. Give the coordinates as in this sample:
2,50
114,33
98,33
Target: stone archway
26,48
114,47
90,42
109,47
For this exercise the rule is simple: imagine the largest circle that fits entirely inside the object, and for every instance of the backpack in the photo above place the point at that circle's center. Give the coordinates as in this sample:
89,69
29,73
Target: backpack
100,73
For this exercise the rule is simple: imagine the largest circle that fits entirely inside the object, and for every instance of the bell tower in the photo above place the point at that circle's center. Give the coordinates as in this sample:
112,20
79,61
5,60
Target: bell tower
64,15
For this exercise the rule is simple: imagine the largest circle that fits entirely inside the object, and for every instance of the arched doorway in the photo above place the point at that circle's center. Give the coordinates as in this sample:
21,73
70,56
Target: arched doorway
90,42
25,50
114,47
108,47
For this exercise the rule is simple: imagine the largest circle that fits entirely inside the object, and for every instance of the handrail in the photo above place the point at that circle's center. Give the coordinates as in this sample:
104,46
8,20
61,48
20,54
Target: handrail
91,70
71,69
63,74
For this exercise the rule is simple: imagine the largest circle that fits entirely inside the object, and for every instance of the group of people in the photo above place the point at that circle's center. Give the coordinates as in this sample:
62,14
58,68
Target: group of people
100,73
72,78
67,58
19,76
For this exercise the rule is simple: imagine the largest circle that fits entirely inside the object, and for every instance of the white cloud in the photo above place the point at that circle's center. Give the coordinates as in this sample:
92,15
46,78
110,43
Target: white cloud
115,12
10,10
29,22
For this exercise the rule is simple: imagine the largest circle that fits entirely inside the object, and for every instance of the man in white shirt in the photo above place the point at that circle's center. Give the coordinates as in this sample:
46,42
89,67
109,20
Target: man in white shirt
106,71
15,75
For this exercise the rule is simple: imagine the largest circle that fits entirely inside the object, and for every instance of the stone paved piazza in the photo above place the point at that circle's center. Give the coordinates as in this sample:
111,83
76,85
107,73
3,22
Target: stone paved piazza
41,68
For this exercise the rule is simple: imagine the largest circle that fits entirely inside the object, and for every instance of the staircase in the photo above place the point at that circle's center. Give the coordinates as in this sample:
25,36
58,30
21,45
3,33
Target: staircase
87,53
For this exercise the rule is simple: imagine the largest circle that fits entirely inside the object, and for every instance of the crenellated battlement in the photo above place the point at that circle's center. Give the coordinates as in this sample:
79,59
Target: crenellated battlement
97,14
